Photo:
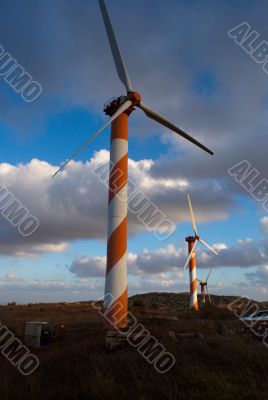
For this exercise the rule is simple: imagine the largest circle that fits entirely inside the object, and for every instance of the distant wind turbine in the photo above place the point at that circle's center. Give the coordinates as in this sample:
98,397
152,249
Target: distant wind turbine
192,242
204,287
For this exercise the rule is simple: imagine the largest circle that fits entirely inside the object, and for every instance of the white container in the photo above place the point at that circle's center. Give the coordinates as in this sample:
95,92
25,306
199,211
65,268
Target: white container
33,332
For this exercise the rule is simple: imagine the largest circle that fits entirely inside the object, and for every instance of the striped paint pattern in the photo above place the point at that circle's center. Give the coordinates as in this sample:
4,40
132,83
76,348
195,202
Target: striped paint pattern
116,289
193,282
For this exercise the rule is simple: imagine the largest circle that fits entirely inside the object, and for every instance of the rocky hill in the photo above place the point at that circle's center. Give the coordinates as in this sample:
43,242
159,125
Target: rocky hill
181,300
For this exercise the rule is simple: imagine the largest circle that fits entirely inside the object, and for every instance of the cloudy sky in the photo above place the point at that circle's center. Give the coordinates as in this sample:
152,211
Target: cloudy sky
180,57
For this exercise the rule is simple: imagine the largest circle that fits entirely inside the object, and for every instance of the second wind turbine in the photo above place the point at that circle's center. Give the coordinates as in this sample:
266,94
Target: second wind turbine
192,242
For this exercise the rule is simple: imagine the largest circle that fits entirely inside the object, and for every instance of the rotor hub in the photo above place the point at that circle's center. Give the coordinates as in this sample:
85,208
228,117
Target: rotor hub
135,97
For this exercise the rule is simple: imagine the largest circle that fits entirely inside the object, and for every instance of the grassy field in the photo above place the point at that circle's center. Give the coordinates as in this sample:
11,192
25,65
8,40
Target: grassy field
218,362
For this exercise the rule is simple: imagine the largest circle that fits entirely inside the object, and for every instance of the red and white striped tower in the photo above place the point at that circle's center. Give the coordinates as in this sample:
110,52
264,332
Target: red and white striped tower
116,287
192,271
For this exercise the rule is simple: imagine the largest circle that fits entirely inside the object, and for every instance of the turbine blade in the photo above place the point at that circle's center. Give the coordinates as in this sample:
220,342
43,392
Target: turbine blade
119,63
190,255
208,274
163,121
192,214
208,246
120,110
199,280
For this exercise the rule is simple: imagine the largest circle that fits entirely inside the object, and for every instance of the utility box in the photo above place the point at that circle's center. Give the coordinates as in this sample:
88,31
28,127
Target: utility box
39,334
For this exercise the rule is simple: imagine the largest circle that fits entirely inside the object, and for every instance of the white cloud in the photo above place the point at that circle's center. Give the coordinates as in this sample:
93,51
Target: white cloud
264,225
259,277
170,260
73,205
85,267
10,277
21,290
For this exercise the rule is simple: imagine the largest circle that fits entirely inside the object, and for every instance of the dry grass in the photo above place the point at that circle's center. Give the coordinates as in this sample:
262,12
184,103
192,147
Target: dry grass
217,366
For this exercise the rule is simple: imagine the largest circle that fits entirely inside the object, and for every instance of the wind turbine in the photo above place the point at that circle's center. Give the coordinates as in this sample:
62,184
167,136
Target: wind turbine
204,287
192,242
119,109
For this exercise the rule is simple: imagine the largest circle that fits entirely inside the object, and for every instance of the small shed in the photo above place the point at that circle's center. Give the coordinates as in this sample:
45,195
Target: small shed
39,334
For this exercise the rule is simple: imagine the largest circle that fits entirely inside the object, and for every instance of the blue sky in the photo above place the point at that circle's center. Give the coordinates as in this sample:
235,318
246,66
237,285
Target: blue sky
189,69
